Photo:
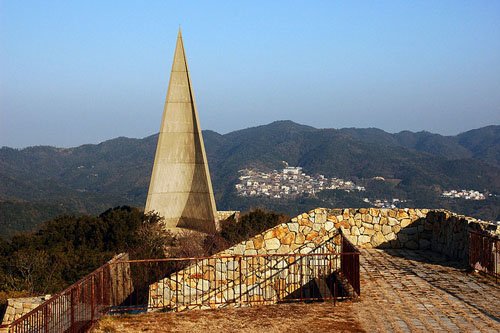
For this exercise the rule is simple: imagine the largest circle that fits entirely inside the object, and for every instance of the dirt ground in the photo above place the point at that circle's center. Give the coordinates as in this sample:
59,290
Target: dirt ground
290,317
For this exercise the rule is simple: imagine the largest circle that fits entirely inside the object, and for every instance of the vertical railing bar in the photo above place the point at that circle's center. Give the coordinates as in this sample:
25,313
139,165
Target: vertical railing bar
72,311
239,265
92,301
176,286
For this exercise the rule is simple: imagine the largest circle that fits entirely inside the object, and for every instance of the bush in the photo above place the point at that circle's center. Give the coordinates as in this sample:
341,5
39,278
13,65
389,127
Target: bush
249,225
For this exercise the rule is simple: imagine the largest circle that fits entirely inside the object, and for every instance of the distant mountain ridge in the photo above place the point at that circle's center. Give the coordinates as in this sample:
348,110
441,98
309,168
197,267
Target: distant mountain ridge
91,178
482,143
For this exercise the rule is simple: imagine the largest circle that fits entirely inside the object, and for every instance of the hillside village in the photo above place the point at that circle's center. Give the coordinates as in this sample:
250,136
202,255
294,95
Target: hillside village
289,182
464,194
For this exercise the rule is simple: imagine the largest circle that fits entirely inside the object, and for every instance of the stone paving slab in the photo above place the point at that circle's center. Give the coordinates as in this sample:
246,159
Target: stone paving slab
408,291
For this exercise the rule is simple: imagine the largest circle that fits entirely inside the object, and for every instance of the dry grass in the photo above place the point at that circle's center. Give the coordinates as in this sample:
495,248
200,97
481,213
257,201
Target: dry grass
292,317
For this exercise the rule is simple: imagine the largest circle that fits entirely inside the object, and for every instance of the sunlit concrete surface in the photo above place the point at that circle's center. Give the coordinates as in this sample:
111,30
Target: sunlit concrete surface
180,189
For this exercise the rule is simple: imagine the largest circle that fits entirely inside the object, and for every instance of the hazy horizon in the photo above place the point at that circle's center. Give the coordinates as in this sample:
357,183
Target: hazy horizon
75,73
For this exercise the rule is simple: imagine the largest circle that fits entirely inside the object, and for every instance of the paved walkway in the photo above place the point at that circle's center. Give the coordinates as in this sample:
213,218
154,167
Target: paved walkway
405,291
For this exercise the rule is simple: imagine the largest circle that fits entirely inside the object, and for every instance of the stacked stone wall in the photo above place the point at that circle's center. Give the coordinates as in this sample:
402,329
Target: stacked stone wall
18,307
259,280
440,230
211,281
450,232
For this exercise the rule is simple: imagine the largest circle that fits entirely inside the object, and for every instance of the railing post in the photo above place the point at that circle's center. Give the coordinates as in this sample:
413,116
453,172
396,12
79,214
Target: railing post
239,266
45,313
72,307
92,300
496,260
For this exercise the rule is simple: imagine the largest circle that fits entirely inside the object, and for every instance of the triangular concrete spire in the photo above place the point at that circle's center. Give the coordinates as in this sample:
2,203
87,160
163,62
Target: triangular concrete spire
180,189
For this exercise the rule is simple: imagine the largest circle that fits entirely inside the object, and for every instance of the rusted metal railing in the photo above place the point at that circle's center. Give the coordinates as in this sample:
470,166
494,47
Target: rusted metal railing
484,254
350,264
179,283
73,310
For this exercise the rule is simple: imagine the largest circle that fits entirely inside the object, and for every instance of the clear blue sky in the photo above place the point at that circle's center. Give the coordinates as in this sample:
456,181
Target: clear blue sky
76,72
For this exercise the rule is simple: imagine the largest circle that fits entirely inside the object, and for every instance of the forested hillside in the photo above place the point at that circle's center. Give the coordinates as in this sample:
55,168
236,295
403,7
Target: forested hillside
38,183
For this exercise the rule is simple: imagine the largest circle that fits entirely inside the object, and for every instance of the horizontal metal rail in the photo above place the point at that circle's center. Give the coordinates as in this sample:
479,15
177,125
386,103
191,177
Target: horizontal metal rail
484,254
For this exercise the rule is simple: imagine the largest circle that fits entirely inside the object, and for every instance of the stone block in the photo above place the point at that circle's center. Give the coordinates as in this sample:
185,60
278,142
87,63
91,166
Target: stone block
352,239
311,235
294,227
288,239
377,239
239,249
363,239
270,234
203,285
305,250
369,232
336,211
405,223
300,239
306,230
391,236
386,229
281,231
392,221
257,243
272,244
355,231
320,217
402,214
329,226
284,249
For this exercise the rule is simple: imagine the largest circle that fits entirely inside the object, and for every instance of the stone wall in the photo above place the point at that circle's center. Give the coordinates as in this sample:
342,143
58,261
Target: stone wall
450,232
18,307
259,280
440,230
225,214
211,281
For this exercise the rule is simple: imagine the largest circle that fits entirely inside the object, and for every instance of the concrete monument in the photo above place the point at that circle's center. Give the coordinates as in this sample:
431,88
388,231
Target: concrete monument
180,189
